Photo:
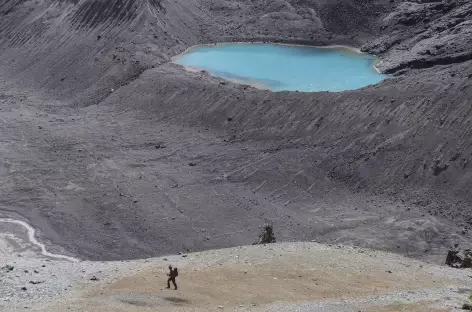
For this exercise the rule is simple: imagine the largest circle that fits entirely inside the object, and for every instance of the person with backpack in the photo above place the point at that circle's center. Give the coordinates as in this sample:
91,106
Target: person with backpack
173,273
453,259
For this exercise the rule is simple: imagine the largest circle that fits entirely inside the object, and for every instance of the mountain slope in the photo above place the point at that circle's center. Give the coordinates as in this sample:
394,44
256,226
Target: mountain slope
89,96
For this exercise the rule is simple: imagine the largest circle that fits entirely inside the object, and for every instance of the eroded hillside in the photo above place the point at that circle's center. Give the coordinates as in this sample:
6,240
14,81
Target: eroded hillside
89,98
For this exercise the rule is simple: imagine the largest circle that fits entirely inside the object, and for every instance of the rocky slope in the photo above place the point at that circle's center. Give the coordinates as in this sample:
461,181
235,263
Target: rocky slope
424,34
89,98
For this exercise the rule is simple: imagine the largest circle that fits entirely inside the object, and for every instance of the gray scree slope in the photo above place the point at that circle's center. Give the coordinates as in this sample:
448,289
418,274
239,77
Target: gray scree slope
98,128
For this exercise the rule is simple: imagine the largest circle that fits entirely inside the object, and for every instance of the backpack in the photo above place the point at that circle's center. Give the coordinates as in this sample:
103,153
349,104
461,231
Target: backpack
176,273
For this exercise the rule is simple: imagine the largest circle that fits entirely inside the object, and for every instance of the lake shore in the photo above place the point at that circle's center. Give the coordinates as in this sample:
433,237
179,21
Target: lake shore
255,82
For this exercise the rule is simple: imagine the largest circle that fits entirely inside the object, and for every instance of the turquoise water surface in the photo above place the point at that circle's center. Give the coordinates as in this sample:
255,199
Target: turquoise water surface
283,67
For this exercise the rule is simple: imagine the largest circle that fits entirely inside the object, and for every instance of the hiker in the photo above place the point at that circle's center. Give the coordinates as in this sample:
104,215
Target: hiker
467,261
452,256
173,273
267,234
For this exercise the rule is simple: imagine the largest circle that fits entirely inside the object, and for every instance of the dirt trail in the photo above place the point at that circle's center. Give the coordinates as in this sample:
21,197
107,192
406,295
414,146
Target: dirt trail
276,277
281,277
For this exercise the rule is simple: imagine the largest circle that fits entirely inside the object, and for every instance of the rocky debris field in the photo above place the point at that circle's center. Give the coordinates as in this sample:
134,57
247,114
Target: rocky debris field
109,151
112,152
442,35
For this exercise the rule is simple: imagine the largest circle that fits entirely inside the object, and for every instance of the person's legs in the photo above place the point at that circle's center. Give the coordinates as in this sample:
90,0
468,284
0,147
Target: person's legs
168,282
173,282
449,258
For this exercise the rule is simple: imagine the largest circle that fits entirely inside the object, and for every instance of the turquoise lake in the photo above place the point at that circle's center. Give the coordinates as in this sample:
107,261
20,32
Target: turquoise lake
283,67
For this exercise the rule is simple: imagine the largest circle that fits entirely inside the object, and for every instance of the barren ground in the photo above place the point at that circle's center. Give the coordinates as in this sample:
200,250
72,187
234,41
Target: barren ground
278,277
112,152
